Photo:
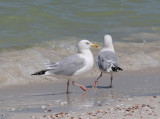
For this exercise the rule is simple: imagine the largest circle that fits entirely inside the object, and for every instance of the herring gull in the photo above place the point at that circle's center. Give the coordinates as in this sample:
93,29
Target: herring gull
72,66
107,61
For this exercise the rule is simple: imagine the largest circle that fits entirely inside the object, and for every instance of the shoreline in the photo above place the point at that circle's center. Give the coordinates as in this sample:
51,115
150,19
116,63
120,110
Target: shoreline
49,98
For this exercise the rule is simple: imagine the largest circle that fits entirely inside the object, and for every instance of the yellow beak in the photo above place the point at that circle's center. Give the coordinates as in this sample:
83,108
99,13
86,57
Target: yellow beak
94,45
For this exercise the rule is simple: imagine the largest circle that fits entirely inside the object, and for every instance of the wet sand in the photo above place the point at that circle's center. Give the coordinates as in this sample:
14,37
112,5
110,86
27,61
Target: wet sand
126,108
134,95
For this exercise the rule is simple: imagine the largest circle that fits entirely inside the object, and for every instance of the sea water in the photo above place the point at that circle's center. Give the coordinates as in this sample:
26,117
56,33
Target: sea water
35,32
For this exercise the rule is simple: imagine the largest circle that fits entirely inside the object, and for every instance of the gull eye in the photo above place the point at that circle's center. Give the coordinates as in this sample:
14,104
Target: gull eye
87,43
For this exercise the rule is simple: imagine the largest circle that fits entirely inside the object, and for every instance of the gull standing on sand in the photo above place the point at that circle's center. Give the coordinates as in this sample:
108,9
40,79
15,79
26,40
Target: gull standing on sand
72,66
107,60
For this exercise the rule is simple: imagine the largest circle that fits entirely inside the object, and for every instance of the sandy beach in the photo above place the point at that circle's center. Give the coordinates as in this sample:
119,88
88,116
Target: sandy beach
132,108
134,95
35,33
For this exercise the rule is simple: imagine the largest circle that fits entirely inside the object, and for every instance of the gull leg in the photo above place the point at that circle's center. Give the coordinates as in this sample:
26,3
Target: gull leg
96,81
81,86
67,92
111,80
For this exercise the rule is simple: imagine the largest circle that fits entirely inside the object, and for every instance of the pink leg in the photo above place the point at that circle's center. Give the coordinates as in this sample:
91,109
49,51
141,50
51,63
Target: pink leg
67,92
81,86
111,80
96,81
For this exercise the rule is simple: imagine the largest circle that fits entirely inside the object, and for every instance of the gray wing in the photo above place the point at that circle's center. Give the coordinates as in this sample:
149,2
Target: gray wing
67,66
106,60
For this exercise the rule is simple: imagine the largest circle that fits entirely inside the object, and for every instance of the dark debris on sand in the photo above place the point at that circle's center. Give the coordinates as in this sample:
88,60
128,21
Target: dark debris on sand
139,107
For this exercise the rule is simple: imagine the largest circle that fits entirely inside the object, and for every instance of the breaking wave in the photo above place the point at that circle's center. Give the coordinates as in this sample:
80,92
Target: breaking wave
17,64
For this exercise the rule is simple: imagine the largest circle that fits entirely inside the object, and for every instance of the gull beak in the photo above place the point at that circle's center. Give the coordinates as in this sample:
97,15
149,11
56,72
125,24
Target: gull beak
94,45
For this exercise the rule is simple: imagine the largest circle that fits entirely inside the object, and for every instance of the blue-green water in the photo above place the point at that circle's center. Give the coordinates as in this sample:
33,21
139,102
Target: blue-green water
33,32
26,22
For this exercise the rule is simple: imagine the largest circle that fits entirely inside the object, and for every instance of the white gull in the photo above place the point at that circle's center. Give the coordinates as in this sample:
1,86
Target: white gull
72,66
107,60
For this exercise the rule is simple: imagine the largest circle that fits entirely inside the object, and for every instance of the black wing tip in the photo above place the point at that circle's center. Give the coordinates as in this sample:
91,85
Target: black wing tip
33,74
120,69
39,72
116,69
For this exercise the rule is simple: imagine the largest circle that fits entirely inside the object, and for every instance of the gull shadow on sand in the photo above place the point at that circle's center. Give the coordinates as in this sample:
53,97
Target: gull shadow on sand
100,87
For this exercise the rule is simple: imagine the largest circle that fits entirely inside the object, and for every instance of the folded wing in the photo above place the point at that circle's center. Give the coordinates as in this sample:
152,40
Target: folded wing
67,66
107,61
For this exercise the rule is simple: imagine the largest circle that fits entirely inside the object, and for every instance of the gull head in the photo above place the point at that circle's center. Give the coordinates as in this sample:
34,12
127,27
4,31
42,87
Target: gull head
108,43
107,40
85,44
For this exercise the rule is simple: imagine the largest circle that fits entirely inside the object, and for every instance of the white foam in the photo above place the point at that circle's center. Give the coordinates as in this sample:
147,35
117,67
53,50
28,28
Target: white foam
18,65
